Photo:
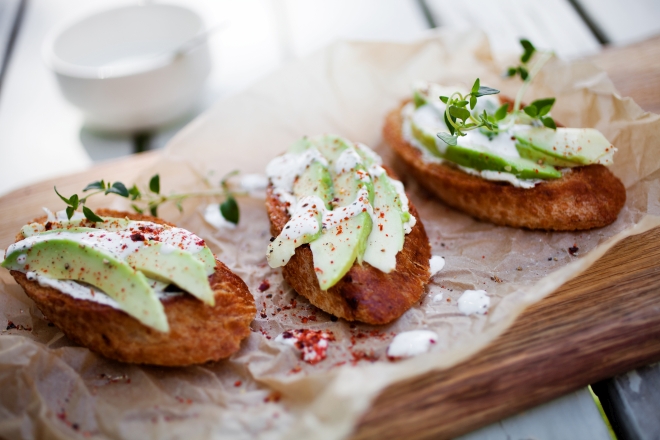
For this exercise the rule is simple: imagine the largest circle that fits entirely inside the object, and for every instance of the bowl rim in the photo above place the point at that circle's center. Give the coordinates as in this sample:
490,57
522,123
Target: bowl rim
66,68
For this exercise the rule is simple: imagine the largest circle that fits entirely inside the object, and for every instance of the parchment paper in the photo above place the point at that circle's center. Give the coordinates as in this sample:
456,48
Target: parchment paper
51,388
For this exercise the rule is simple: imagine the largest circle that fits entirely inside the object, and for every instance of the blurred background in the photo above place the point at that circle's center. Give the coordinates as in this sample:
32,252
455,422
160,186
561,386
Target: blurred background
62,103
42,134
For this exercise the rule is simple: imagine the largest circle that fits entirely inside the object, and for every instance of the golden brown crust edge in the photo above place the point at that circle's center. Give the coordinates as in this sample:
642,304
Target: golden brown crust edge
198,333
365,293
587,197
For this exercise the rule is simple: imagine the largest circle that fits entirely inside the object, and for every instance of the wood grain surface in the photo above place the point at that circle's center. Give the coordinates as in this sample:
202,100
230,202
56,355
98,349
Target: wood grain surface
600,324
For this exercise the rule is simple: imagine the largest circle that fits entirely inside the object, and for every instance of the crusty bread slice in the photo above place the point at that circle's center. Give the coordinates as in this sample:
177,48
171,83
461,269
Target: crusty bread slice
198,332
587,197
365,293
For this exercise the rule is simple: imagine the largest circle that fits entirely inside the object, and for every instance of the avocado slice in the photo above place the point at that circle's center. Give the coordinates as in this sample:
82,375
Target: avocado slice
169,264
347,227
331,146
581,146
527,152
67,259
387,234
314,181
480,159
109,224
314,192
428,140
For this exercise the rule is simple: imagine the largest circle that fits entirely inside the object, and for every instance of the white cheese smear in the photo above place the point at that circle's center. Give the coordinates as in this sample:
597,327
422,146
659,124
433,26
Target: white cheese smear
437,263
474,302
411,343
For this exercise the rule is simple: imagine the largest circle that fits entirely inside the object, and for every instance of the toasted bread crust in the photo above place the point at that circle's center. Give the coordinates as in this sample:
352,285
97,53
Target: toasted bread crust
198,332
585,198
365,293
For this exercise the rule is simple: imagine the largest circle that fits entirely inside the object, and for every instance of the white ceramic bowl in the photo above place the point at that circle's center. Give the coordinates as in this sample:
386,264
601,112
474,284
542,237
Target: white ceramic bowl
114,65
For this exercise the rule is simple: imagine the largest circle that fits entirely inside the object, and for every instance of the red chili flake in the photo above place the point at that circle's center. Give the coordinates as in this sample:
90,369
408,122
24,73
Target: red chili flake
263,314
573,250
10,325
200,242
237,383
304,319
313,344
49,226
296,369
265,285
137,237
363,356
275,396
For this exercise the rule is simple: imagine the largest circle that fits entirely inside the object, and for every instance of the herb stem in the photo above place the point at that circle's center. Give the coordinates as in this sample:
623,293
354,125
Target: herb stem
545,57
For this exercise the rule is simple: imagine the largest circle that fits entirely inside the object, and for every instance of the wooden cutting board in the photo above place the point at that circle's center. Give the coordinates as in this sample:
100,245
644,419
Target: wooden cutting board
602,323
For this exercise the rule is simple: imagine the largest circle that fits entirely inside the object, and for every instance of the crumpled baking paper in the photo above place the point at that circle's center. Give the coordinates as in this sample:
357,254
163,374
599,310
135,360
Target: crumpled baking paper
51,388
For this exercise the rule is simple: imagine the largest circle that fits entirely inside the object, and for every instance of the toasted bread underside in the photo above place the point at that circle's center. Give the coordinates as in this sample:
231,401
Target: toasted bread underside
198,332
365,293
587,197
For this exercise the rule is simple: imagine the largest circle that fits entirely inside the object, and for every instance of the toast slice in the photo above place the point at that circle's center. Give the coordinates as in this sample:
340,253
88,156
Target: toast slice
586,197
365,293
198,332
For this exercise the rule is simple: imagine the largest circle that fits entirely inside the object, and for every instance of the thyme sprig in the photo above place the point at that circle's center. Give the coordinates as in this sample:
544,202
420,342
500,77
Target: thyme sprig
460,120
151,199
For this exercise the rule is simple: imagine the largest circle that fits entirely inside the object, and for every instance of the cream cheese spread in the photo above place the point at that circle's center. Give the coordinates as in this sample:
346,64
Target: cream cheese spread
411,343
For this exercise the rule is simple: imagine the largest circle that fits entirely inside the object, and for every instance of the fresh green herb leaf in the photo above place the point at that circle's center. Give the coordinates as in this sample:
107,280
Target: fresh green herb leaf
528,49
475,87
511,71
531,111
444,99
523,73
134,192
449,126
154,210
486,91
73,201
64,199
229,210
461,103
137,209
179,206
473,102
89,215
549,122
540,103
448,139
154,184
545,110
502,111
99,184
69,212
459,113
118,188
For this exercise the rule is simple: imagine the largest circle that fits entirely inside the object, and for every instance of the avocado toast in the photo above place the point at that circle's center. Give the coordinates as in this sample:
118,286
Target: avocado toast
196,316
527,175
344,231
